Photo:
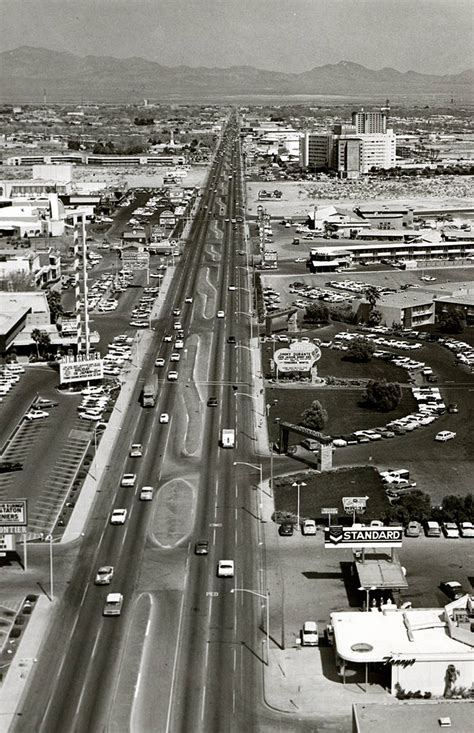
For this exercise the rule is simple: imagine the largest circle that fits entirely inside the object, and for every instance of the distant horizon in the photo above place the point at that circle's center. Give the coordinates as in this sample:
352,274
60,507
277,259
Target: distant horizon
290,36
260,68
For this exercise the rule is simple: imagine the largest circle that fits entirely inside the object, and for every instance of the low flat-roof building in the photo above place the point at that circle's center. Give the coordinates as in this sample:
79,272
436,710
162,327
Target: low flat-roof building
409,308
418,717
413,647
462,302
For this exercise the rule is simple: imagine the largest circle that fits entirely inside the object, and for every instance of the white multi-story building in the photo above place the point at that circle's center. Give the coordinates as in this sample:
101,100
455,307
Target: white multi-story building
378,150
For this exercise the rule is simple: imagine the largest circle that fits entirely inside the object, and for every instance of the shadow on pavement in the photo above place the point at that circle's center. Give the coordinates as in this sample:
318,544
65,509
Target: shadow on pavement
350,583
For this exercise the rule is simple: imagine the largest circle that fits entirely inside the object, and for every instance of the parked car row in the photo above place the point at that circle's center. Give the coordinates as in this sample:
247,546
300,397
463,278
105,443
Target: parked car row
9,377
463,352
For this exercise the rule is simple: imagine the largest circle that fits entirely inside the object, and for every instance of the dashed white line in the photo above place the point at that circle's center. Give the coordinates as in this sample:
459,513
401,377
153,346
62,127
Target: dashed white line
137,686
84,595
203,702
148,627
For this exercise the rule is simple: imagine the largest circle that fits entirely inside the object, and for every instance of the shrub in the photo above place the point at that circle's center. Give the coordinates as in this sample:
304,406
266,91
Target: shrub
383,396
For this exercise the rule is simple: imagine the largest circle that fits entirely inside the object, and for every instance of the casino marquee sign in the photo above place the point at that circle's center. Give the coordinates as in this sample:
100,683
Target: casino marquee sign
360,537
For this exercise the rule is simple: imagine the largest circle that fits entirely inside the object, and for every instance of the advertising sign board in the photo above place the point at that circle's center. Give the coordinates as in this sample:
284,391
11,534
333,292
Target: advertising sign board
133,260
299,357
7,544
354,503
359,537
13,514
71,370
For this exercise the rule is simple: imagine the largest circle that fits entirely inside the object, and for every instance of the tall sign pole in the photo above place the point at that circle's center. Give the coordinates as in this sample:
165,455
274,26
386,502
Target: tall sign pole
85,288
77,289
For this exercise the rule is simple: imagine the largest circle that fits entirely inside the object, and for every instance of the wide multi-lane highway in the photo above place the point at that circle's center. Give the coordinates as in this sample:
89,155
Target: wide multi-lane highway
186,654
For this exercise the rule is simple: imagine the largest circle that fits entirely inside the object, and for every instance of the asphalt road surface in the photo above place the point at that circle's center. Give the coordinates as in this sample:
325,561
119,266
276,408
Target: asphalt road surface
186,654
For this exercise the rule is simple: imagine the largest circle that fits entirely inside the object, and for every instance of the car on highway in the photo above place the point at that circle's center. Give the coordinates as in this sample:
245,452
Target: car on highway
413,529
175,357
160,362
445,435
309,634
232,288
177,312
146,493
113,604
188,299
450,530
36,415
177,326
128,479
136,450
220,314
466,529
164,418
453,589
201,547
178,344
225,569
167,337
231,340
118,516
172,376
285,530
212,402
104,575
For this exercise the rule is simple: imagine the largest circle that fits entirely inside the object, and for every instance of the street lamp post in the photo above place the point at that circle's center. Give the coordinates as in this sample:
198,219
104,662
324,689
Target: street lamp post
298,484
51,577
269,407
266,597
257,468
367,592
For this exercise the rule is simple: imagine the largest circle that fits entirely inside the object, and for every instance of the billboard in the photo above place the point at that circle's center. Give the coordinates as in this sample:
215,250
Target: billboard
298,357
360,537
13,516
133,260
81,370
354,503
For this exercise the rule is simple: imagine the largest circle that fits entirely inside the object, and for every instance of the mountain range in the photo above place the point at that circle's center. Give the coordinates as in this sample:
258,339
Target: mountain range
27,73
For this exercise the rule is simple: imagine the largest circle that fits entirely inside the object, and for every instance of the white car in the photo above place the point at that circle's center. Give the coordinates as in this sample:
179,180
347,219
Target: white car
164,418
167,337
308,527
177,326
445,435
172,376
160,362
36,414
339,442
225,569
104,575
113,604
136,450
128,479
309,634
466,529
188,299
118,516
220,314
179,344
175,357
231,288
450,530
146,493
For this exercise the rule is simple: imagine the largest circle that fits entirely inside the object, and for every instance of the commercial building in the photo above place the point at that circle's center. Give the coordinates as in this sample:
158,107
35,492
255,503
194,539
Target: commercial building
410,715
408,648
458,302
370,122
40,267
410,309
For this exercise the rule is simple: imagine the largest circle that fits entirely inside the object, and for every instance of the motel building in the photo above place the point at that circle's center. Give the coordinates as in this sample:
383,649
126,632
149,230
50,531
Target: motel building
430,650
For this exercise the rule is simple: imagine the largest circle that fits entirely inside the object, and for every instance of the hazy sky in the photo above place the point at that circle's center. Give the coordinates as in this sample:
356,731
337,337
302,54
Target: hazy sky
430,36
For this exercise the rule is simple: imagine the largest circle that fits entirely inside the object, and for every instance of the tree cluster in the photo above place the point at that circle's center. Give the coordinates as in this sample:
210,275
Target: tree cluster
382,395
360,350
314,417
452,322
317,313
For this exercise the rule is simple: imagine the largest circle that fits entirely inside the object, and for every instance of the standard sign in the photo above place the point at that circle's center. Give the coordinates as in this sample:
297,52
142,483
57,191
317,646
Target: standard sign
13,514
360,537
7,544
133,260
80,371
352,503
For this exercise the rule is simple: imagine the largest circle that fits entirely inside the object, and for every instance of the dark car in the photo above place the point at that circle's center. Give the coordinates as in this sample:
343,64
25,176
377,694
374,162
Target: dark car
231,340
212,402
285,530
201,547
6,466
453,589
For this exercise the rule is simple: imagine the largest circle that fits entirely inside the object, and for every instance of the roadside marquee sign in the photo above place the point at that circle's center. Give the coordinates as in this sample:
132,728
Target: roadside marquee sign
81,370
13,516
133,260
298,357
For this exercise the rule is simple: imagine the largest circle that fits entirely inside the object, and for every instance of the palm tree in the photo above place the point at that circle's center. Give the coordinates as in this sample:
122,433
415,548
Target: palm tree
41,339
36,337
372,295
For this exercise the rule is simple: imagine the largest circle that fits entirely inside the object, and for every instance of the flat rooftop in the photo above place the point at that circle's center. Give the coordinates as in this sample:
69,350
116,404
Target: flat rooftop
422,717
418,633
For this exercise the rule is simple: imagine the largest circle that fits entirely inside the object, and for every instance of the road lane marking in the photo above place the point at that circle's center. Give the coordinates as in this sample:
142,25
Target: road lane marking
175,663
84,594
137,686
203,702
148,627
